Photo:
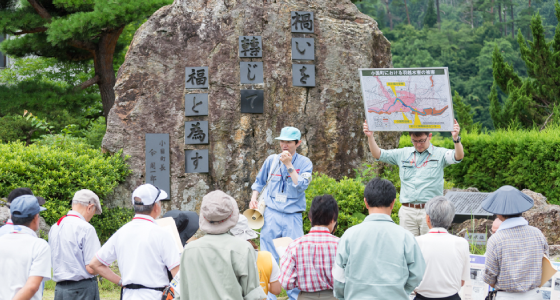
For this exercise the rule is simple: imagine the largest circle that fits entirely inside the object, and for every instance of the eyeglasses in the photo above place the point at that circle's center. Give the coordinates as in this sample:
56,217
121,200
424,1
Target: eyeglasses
420,141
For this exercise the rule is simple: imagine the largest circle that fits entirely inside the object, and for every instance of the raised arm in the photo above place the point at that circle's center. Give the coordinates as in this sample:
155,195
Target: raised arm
373,148
459,153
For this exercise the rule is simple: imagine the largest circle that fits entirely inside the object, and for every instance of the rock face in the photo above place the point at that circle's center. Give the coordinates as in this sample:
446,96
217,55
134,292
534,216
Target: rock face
150,92
544,216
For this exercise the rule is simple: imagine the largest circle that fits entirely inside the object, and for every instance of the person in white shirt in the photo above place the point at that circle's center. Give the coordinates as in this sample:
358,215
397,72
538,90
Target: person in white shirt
25,259
144,250
447,256
14,194
73,243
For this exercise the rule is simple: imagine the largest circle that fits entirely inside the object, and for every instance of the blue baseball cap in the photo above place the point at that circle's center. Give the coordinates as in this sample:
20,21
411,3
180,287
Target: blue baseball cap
25,206
289,134
507,200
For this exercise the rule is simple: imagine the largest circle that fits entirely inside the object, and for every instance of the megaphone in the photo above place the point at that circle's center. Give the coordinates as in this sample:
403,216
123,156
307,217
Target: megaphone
255,217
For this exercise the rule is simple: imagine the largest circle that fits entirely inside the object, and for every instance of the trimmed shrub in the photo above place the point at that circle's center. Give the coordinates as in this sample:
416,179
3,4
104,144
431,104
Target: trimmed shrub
56,168
349,193
526,159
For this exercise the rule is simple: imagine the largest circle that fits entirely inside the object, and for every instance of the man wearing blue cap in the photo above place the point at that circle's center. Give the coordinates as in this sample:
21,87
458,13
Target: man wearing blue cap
25,258
514,253
290,175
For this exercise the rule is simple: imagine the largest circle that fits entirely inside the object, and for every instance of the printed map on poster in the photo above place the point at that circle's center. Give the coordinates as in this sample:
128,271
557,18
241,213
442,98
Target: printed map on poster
407,99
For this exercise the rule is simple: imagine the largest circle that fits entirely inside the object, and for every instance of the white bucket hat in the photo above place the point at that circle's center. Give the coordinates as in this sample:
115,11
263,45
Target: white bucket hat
241,229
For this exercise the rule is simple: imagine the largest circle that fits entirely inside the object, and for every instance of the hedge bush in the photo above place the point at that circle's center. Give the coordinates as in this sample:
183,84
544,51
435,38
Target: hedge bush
526,159
56,168
349,193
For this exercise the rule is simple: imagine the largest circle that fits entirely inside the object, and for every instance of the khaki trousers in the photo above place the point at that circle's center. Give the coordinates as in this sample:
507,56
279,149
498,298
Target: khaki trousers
413,220
323,295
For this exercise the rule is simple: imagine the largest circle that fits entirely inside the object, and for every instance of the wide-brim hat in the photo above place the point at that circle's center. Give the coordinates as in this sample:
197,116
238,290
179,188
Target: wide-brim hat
507,200
218,213
241,229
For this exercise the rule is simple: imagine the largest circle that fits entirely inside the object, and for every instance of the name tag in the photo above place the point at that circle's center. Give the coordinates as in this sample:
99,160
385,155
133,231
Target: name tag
282,198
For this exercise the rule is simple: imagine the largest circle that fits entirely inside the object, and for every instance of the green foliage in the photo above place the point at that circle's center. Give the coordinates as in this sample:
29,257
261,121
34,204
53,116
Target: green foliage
430,19
530,101
526,159
463,113
95,132
56,169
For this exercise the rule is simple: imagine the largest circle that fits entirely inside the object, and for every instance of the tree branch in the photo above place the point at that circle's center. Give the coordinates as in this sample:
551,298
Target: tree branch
32,30
88,83
82,45
544,125
40,10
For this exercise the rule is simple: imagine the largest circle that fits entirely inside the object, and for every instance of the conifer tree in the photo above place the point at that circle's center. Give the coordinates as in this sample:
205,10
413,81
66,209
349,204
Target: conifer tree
430,19
73,30
531,101
463,113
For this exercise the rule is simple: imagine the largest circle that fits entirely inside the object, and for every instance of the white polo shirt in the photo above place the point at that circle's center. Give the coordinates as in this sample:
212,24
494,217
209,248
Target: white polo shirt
6,228
73,243
144,251
447,263
22,255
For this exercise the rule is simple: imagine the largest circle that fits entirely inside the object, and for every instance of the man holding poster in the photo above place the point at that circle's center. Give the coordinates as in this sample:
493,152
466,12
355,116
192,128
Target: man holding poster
420,171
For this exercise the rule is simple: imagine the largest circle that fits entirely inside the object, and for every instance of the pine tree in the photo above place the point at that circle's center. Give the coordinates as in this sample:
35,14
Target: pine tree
73,30
430,19
463,113
531,101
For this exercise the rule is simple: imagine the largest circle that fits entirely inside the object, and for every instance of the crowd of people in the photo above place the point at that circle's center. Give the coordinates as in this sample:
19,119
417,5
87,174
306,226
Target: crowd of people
376,259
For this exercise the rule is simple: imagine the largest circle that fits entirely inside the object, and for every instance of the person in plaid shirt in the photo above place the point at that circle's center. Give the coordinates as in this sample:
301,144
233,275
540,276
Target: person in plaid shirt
308,261
514,253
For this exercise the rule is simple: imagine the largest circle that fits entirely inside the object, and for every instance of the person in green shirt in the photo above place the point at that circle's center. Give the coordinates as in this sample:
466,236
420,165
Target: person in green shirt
219,265
377,259
420,171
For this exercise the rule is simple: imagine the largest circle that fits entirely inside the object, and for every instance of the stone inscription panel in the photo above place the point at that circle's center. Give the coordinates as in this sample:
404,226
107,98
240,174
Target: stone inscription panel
196,161
250,46
303,48
157,161
196,105
196,77
303,75
252,101
251,72
468,203
196,132
302,22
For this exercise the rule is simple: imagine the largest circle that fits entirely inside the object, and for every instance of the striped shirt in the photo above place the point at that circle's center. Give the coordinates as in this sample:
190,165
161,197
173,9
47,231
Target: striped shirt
514,259
308,261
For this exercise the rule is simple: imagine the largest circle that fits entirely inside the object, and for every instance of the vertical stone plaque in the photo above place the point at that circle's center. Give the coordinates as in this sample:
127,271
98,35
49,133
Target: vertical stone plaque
252,101
250,46
303,48
196,161
196,77
302,22
196,132
196,105
251,72
157,161
303,75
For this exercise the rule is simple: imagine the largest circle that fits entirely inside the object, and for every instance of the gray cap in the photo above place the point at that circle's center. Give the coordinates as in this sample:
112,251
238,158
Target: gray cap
507,200
87,197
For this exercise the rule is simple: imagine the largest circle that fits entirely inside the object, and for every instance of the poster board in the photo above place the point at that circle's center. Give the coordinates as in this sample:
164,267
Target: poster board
551,289
407,99
281,244
169,225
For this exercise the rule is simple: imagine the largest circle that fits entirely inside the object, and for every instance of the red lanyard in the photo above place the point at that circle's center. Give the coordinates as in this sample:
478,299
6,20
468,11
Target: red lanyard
60,220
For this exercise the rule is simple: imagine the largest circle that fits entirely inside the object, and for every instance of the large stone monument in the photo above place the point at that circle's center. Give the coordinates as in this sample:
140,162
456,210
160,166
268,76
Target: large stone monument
164,67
